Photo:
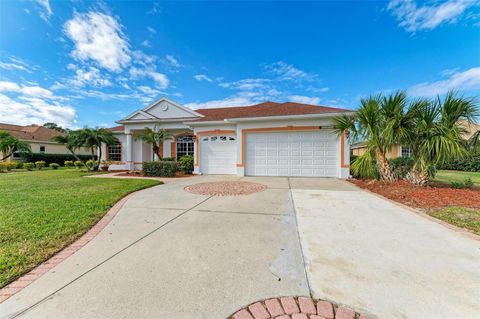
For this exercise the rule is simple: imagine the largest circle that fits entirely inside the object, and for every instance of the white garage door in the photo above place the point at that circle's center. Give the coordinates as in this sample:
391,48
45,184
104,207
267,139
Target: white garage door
292,154
218,154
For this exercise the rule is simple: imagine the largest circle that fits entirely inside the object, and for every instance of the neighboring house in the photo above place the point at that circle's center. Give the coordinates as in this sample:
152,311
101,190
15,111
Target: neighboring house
39,138
359,149
267,139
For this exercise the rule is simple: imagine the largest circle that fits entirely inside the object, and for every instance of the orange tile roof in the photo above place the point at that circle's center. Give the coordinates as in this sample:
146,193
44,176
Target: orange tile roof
265,109
30,132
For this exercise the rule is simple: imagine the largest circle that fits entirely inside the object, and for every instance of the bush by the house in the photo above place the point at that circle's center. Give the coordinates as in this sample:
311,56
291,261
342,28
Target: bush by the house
18,164
160,168
68,164
53,158
89,164
39,164
469,164
401,166
28,166
185,164
54,165
7,166
78,164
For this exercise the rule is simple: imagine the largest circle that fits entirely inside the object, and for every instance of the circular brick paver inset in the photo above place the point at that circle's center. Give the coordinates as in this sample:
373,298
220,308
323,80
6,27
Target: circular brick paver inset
296,308
225,188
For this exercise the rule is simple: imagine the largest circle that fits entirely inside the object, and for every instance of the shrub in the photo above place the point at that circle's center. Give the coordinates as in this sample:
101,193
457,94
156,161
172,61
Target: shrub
468,183
160,168
457,185
53,158
168,159
19,164
39,164
78,164
54,166
7,166
69,164
89,164
401,166
28,166
185,164
470,163
3,167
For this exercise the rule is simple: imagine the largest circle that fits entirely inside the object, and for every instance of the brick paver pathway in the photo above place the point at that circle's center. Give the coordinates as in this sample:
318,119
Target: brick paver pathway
228,188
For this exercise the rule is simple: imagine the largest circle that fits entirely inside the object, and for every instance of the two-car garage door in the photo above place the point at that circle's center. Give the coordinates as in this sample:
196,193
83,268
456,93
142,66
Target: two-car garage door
292,154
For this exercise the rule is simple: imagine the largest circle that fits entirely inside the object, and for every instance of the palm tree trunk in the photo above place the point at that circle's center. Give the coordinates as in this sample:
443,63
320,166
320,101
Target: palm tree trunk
156,150
417,177
1,160
94,166
384,168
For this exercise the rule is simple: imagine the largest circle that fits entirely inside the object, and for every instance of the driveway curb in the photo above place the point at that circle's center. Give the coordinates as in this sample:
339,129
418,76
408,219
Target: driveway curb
25,280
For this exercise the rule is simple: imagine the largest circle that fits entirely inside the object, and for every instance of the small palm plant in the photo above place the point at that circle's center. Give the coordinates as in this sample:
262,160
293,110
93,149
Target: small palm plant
10,144
70,141
93,139
437,133
381,122
154,137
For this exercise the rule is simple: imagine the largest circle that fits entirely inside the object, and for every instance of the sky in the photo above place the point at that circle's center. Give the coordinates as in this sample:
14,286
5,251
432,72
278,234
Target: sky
90,63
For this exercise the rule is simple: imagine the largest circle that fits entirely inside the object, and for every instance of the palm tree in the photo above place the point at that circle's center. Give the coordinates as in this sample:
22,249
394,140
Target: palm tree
70,141
436,134
474,141
93,139
155,137
10,144
381,122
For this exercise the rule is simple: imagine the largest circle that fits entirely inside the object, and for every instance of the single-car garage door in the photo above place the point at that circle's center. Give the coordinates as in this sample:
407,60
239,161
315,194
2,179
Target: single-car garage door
292,154
218,154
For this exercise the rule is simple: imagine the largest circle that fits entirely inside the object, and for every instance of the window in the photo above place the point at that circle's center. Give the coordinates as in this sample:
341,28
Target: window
184,146
114,152
42,149
405,151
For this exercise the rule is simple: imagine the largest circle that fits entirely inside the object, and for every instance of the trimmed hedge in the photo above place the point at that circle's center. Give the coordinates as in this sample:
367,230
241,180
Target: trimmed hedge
467,164
185,164
160,168
401,166
53,158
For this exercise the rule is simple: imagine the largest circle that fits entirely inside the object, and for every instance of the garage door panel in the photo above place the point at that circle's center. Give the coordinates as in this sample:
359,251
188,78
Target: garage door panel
292,154
218,155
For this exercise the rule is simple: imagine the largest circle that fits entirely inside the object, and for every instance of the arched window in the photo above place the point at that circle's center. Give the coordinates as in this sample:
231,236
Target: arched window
114,152
184,145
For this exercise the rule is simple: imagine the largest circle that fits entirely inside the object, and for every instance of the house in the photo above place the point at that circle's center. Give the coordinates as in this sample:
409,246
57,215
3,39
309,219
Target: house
38,137
359,148
266,139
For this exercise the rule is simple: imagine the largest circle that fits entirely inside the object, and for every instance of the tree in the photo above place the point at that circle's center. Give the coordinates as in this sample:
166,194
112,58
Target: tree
474,141
54,126
10,144
437,133
381,122
93,139
71,141
155,137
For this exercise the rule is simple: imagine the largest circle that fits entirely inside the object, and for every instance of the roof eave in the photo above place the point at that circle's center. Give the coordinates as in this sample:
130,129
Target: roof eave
287,117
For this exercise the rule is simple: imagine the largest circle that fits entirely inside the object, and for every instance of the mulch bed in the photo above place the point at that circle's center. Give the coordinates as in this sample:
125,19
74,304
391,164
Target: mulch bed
422,197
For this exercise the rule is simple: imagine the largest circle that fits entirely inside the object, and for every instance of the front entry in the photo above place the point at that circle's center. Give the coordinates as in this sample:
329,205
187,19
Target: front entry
218,154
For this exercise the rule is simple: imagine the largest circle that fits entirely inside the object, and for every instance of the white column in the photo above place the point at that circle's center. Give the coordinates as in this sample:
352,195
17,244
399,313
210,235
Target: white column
129,162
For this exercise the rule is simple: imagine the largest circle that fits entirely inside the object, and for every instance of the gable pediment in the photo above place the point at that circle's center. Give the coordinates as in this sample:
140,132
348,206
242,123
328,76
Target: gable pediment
166,109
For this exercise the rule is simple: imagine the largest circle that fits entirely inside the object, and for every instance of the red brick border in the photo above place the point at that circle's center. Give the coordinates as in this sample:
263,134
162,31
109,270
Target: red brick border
296,308
22,282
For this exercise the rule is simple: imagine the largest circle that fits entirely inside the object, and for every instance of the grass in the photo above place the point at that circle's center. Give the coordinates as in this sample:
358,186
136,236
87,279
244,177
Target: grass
447,177
463,217
41,212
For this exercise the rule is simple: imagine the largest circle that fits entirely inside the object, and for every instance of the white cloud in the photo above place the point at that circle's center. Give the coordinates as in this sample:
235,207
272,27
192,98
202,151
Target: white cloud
415,18
160,79
148,90
286,72
156,9
246,84
151,30
146,43
98,37
172,61
29,104
202,77
459,80
17,64
304,99
45,9
90,76
228,102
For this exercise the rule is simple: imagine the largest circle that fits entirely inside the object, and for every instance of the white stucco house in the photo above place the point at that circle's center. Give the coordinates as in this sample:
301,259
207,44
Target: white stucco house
266,139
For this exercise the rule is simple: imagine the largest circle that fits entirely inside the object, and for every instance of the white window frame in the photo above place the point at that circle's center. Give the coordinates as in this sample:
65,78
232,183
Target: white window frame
44,149
409,151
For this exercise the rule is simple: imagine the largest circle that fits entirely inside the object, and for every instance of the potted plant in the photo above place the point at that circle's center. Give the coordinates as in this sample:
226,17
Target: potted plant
105,165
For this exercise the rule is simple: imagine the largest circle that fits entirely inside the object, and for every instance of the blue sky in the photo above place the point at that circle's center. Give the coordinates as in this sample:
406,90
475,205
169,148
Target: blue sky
90,63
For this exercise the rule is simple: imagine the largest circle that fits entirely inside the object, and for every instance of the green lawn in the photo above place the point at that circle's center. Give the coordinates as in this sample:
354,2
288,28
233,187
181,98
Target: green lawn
468,218
457,176
43,211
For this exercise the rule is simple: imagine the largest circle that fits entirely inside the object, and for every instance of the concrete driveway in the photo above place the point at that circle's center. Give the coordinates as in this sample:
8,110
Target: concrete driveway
172,254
